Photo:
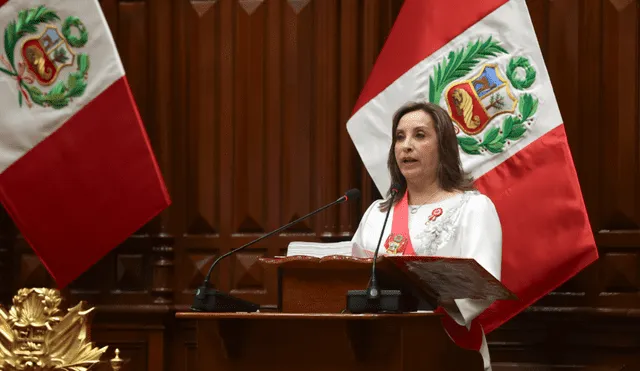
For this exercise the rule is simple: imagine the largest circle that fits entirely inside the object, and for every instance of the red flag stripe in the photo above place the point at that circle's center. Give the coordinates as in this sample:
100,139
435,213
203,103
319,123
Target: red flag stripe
2,2
547,237
81,178
422,27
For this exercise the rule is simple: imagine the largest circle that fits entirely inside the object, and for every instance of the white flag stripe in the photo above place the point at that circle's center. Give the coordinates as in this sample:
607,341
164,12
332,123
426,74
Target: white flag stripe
511,26
22,128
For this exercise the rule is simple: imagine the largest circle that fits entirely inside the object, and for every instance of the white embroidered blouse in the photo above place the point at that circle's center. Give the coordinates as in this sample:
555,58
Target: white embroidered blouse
468,226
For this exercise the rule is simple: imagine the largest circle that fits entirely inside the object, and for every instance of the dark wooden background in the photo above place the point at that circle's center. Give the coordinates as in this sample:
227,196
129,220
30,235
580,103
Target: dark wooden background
246,102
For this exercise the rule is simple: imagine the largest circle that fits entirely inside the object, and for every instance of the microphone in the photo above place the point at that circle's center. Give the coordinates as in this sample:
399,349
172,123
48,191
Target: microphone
372,290
211,300
373,300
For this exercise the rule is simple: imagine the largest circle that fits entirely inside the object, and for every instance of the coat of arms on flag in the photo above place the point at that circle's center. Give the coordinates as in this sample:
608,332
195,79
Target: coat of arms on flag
479,95
43,55
474,102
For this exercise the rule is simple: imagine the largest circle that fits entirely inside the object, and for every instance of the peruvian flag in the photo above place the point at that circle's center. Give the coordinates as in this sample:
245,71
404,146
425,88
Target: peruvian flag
77,172
480,60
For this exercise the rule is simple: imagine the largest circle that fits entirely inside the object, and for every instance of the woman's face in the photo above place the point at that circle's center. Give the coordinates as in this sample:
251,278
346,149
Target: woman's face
416,146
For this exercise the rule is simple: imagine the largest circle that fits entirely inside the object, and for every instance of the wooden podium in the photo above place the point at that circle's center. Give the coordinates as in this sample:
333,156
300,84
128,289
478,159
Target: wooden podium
311,331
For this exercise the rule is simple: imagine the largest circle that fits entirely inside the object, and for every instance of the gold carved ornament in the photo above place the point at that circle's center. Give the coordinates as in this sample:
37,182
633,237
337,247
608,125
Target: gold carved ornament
35,336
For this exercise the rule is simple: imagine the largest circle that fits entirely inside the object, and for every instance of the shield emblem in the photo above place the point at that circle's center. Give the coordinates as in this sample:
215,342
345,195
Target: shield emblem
47,55
475,102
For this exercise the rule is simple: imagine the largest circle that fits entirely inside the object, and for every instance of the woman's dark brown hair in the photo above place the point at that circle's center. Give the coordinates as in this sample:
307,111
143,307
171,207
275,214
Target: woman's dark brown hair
450,174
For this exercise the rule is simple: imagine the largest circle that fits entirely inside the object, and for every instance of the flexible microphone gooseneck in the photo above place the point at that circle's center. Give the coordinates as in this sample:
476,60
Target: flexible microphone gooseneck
212,300
374,300
372,290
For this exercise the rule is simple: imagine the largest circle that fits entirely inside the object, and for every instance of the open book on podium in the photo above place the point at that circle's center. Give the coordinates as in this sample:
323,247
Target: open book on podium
315,278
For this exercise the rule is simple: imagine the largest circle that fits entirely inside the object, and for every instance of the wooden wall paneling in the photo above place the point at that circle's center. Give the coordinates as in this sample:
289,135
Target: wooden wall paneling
181,13
139,333
298,168
247,145
573,340
274,109
133,344
619,198
619,233
199,226
248,148
349,88
182,355
5,272
266,139
185,270
161,127
224,118
243,144
324,138
163,271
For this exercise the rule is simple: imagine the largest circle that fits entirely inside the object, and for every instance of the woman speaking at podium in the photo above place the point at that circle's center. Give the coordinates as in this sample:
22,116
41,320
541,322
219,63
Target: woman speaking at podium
436,210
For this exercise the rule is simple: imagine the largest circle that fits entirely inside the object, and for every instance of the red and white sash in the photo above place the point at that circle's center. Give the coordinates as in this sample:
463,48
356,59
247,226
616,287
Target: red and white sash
399,243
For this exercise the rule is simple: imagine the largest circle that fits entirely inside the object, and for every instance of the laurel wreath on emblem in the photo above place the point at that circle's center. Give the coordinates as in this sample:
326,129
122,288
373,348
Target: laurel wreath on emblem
460,63
62,92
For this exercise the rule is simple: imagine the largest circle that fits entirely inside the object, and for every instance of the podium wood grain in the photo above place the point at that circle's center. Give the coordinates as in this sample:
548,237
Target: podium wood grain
306,341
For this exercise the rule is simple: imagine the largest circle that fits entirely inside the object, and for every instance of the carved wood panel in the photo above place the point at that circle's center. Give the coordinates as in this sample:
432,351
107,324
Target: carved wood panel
266,87
245,103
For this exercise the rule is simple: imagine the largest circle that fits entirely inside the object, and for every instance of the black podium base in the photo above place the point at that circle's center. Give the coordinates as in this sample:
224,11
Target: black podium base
389,301
212,300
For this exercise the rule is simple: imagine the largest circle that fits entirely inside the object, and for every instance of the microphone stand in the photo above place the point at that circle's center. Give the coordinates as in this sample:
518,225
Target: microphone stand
373,300
208,299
